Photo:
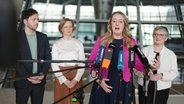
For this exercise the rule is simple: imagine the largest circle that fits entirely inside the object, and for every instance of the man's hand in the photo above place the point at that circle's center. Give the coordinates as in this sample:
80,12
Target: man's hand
36,79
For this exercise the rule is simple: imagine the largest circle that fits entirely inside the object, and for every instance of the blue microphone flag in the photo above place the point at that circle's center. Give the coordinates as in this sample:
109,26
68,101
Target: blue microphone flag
120,60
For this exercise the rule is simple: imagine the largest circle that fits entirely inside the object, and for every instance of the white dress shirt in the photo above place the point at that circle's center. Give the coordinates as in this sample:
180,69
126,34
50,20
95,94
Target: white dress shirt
67,50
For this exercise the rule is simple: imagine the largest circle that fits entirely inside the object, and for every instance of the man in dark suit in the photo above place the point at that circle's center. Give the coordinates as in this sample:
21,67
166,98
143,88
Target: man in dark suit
32,45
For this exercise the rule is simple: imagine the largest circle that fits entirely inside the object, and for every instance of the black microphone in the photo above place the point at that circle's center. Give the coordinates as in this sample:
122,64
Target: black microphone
157,54
142,57
145,62
131,65
131,59
107,60
108,55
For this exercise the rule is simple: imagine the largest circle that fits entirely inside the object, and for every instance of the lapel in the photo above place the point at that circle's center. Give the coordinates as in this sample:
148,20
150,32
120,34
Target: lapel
25,46
38,44
25,52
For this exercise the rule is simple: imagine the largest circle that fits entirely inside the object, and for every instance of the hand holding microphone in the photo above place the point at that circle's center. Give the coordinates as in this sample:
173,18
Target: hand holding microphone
156,62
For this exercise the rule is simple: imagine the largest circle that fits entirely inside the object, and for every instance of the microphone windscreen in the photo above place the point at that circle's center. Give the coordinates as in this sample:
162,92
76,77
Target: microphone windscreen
120,60
106,63
108,55
100,55
107,59
131,61
112,45
142,57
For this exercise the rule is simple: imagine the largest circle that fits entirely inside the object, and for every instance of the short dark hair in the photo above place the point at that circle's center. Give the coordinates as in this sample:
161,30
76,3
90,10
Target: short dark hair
28,12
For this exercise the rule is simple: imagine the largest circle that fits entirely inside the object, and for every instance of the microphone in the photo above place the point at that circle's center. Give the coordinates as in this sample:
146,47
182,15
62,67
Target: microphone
131,61
99,57
120,60
107,59
142,57
145,62
157,54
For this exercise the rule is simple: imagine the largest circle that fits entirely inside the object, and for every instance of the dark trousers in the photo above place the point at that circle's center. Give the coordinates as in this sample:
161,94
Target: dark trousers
161,96
35,92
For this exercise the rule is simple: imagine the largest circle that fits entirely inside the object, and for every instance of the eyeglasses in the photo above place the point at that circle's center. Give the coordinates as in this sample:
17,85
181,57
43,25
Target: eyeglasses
159,35
117,22
67,27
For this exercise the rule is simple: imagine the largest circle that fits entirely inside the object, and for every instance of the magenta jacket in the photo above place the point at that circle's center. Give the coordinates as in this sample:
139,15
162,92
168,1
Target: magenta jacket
126,71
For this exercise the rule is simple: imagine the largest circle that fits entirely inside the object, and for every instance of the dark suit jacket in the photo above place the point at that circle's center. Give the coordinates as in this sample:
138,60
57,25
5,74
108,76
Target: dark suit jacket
25,68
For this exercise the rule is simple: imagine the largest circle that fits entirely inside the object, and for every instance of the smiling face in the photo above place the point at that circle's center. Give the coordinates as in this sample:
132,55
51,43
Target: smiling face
117,24
160,37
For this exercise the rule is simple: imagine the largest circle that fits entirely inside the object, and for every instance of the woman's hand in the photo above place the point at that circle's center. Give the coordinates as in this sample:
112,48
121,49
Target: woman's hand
106,88
155,77
156,63
94,74
138,73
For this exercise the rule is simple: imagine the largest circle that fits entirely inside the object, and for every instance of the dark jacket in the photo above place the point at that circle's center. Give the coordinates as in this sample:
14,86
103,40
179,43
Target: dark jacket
25,68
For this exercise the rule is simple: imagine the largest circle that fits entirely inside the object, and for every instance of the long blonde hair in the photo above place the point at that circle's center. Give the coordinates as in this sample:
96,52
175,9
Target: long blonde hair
108,37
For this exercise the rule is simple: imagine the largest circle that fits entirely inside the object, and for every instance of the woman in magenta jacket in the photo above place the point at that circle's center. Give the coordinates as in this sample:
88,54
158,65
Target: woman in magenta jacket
109,88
